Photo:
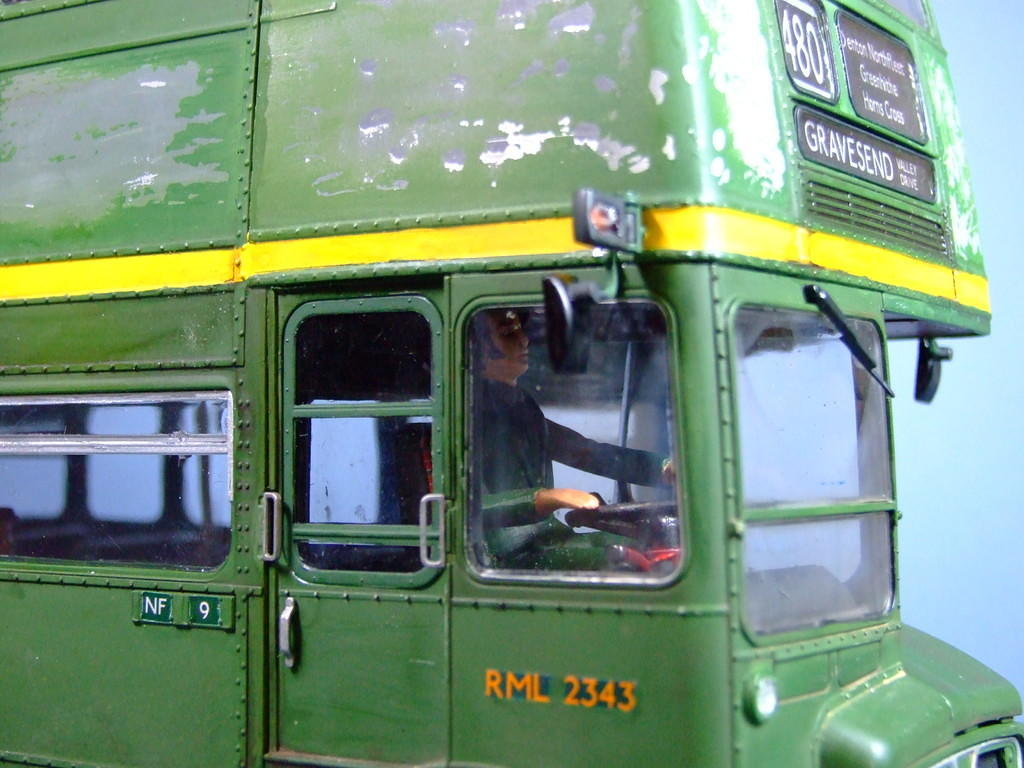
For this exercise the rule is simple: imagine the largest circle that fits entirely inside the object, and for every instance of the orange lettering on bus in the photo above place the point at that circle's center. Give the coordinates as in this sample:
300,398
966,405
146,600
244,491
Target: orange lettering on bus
492,683
538,689
517,685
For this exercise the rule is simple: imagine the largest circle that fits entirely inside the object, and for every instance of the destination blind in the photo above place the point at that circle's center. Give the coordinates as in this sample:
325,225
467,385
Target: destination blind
881,76
864,155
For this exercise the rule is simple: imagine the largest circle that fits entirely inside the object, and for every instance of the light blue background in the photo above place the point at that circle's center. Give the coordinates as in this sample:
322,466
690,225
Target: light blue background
960,477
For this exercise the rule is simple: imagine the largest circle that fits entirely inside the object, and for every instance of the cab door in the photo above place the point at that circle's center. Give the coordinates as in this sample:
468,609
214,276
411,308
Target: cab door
355,533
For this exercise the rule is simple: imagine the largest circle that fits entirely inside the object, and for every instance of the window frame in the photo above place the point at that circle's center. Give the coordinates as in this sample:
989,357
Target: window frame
293,413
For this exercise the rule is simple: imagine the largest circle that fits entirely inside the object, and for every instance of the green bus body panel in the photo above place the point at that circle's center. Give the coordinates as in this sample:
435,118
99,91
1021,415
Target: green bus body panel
624,635
371,680
28,38
946,690
92,687
424,113
166,331
681,709
136,150
973,692
376,116
952,161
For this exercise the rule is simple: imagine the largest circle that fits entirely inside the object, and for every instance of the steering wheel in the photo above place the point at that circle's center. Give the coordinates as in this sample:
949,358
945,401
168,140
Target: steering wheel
652,525
649,522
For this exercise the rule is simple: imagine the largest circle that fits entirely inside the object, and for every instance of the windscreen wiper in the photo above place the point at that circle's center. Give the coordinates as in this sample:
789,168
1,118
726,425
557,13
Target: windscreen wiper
818,296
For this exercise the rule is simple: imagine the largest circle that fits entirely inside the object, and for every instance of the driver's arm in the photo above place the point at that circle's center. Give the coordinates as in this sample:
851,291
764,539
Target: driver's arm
630,465
530,505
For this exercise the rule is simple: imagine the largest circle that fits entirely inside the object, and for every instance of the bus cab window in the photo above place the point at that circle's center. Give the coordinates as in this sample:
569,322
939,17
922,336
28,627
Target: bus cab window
572,474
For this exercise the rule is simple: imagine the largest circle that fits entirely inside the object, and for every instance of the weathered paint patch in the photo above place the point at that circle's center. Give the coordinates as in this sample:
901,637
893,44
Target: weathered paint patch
454,161
331,185
656,85
458,33
53,127
738,66
536,68
519,12
575,21
669,147
613,151
376,123
963,213
514,145
628,35
639,164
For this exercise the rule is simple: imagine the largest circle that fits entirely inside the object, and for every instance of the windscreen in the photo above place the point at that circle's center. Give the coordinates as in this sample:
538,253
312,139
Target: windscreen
813,425
814,453
815,571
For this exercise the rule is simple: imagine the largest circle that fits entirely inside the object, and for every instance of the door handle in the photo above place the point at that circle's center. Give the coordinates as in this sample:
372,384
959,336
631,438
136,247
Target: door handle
425,504
270,501
284,632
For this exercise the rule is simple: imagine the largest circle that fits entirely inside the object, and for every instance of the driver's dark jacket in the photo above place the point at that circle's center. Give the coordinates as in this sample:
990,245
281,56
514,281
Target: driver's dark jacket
513,448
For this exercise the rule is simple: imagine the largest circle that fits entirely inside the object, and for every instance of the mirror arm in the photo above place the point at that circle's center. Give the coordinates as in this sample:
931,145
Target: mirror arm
613,286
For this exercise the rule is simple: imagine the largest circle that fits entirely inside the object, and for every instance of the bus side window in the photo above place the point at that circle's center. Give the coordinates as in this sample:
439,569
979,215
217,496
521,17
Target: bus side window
116,478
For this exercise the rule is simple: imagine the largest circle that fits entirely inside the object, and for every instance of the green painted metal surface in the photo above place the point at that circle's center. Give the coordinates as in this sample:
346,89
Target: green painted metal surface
447,113
95,688
377,116
196,330
31,35
121,147
163,128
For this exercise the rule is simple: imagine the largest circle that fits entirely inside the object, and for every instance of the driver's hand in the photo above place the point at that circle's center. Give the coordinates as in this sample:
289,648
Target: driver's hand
547,500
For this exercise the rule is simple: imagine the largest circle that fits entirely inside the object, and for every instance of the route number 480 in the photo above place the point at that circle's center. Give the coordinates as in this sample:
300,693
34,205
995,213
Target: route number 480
808,54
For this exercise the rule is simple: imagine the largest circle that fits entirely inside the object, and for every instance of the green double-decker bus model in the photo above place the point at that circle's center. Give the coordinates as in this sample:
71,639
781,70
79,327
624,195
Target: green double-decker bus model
473,383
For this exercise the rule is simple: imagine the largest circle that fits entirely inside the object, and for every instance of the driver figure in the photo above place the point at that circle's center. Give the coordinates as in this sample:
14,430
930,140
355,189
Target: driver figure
514,446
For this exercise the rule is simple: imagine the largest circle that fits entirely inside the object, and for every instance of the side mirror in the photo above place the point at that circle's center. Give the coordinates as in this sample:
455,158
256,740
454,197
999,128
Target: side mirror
930,357
567,307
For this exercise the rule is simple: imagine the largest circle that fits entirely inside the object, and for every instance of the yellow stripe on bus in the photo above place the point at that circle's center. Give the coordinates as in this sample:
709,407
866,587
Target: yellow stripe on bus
719,230
511,238
118,274
972,290
694,229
